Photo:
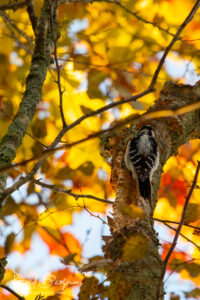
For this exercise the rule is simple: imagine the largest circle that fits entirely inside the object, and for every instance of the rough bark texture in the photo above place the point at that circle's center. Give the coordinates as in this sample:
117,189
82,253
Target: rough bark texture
34,82
41,59
142,275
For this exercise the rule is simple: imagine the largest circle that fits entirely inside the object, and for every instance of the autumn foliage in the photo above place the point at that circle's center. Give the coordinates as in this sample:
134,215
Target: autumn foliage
107,51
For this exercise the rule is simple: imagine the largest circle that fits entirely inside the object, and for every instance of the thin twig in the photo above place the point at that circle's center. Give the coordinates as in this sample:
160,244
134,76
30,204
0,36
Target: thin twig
15,6
175,38
32,16
12,292
137,16
173,245
6,17
39,297
56,239
104,222
109,67
40,60
134,14
41,217
19,44
27,133
185,237
173,222
57,66
60,241
177,265
70,193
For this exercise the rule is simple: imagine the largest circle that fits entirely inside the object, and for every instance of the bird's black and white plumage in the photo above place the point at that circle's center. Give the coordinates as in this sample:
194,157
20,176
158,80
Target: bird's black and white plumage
142,159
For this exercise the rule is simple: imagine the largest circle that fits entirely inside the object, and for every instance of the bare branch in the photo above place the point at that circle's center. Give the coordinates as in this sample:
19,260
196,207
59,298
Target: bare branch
177,265
137,16
32,16
19,44
171,112
27,133
175,38
146,116
177,231
185,237
104,222
8,20
173,222
12,292
109,67
134,14
34,82
13,6
70,193
57,66
41,217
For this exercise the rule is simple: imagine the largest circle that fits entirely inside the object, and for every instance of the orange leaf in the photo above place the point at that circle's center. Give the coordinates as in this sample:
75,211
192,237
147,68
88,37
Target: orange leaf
60,244
175,254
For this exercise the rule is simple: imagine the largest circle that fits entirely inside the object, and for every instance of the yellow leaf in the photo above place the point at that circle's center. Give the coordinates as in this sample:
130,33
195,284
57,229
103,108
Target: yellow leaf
174,11
37,7
162,206
132,211
6,45
135,247
54,217
78,155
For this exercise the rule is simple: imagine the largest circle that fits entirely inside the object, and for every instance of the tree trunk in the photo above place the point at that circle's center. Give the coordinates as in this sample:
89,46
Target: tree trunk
41,59
141,271
34,82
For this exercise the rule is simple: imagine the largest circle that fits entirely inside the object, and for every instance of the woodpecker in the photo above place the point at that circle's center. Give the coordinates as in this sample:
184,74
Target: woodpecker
142,159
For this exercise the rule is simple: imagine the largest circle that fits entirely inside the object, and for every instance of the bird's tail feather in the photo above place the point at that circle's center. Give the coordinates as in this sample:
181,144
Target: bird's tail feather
145,188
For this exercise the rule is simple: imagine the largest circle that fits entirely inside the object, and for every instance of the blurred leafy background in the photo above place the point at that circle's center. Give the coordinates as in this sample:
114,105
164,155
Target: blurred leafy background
107,50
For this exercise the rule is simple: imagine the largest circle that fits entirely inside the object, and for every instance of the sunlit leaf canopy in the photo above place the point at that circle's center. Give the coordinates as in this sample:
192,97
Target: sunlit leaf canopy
106,51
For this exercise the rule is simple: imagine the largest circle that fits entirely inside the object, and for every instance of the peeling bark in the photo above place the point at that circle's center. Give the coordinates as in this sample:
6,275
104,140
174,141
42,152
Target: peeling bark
142,275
